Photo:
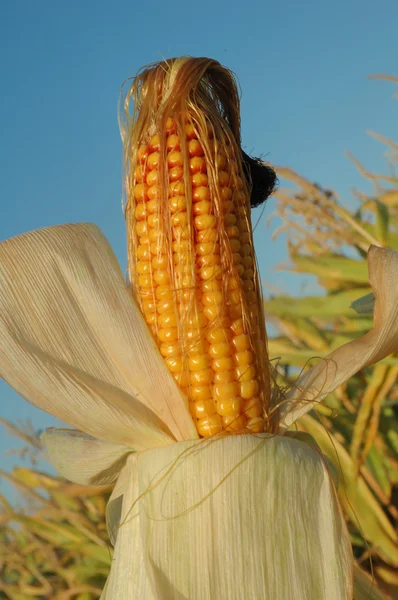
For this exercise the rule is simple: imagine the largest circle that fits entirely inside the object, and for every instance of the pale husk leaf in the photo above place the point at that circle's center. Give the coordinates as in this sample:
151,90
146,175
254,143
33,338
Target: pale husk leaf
84,459
344,362
75,344
128,577
240,517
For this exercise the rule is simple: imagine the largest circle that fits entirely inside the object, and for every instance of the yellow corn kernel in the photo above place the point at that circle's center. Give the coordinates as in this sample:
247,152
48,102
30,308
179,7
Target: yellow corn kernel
201,194
165,306
170,350
197,164
152,177
200,180
148,306
195,148
220,350
245,372
243,358
182,378
150,318
142,153
207,235
229,407
210,285
168,334
224,376
210,272
192,261
234,423
199,362
190,131
253,408
226,390
202,377
218,335
154,143
175,364
175,159
241,342
205,221
142,229
153,161
201,392
202,208
176,173
209,426
140,173
208,260
225,363
212,313
212,298
207,248
249,389
256,425
173,142
203,408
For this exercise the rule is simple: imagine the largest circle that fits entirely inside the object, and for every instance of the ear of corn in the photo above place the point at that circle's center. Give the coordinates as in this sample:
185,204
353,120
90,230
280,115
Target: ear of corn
191,260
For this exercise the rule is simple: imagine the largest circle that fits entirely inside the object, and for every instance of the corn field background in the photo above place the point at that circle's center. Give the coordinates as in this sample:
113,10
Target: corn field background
55,545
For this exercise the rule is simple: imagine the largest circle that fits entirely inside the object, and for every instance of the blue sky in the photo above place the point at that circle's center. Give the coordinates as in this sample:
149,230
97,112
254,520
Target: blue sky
302,68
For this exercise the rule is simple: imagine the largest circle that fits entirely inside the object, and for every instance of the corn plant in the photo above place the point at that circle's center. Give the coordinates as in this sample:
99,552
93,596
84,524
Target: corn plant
55,545
357,425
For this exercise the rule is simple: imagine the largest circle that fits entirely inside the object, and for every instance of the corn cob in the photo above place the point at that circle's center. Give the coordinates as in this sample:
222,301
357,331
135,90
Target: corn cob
191,260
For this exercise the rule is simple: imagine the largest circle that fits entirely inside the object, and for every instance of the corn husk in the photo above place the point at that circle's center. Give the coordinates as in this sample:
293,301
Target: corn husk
240,517
102,463
75,344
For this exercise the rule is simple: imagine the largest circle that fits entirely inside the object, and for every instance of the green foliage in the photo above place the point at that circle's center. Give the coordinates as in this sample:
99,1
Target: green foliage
56,547
356,427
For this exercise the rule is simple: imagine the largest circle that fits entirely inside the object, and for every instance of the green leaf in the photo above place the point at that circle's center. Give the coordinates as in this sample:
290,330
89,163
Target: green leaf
364,305
322,307
382,222
376,464
358,501
334,267
98,553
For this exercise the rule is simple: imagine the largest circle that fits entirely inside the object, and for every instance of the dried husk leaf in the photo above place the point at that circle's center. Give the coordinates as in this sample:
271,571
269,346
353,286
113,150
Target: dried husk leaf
114,507
82,458
75,344
344,362
239,517
128,577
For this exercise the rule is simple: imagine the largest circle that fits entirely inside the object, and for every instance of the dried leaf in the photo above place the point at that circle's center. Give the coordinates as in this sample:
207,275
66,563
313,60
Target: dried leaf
237,517
82,458
75,344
